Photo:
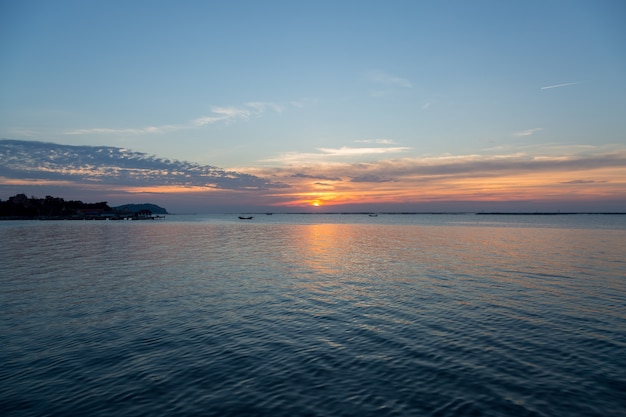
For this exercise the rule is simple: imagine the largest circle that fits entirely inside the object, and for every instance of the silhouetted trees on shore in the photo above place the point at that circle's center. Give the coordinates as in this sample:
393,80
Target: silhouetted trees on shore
22,207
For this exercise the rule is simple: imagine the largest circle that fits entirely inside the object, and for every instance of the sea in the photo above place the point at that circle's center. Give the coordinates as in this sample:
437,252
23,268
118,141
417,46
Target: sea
315,315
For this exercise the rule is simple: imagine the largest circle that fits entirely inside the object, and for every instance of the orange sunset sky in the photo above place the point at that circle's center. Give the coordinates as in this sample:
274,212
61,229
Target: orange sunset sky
324,106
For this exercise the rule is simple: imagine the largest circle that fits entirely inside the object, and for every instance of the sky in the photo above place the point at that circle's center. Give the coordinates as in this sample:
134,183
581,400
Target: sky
327,105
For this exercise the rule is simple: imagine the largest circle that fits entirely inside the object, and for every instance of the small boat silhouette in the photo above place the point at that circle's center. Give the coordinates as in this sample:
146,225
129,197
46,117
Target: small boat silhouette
246,218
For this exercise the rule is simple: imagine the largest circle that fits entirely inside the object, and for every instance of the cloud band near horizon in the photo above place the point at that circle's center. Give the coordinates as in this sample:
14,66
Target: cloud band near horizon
589,174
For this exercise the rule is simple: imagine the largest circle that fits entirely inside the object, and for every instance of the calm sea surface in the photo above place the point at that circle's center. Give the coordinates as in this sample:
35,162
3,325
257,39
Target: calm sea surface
314,315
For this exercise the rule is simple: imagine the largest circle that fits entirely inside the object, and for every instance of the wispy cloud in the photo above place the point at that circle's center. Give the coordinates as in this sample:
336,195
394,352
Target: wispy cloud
348,151
582,182
225,115
381,77
370,178
302,102
106,165
125,131
528,132
316,177
559,85
377,141
338,153
222,114
261,106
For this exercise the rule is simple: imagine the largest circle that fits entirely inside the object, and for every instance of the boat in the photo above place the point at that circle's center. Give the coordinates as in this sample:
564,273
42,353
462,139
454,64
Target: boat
246,218
373,215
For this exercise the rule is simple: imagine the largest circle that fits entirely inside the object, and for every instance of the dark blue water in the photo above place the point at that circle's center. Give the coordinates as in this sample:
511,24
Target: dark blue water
314,316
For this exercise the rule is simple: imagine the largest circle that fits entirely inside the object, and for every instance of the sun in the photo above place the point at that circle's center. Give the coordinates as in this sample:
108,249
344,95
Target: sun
316,203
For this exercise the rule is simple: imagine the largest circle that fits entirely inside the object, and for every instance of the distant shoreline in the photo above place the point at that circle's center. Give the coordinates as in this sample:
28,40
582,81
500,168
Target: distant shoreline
549,214
463,213
452,213
77,218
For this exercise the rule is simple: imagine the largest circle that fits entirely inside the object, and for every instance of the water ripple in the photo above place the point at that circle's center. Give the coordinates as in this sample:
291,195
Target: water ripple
311,320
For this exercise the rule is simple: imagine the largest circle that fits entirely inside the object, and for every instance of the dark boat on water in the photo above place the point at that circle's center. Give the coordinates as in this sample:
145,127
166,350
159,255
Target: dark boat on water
246,218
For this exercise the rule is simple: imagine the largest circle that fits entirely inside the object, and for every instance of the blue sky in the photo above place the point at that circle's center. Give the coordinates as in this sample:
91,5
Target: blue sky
273,88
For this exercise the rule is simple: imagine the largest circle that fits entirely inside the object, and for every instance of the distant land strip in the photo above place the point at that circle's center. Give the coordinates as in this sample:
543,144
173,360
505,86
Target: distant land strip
547,213
452,213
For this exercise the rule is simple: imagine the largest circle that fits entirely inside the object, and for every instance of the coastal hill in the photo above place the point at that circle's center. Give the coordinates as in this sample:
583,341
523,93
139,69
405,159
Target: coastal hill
136,208
21,207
